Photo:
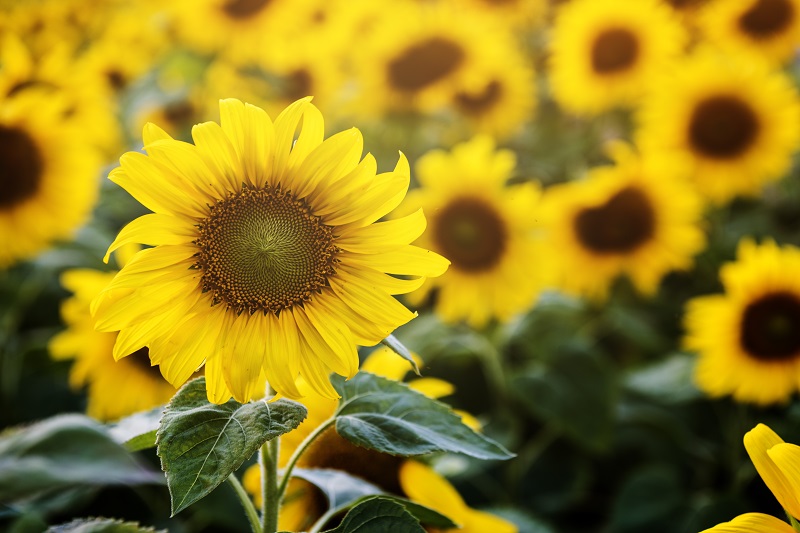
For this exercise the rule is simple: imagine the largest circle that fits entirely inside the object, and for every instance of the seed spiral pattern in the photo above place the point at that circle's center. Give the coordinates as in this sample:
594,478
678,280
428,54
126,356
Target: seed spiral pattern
262,249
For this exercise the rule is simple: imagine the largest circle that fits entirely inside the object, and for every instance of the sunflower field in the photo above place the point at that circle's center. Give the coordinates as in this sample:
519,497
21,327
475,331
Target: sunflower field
490,266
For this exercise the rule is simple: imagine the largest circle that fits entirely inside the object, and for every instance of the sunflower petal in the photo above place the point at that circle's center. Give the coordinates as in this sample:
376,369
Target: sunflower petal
758,441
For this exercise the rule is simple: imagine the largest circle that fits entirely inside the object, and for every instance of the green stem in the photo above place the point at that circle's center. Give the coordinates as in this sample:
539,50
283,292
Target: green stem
287,472
247,503
270,498
795,524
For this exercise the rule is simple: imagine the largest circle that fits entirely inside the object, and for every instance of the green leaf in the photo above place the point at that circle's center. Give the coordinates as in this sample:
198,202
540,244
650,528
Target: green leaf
200,443
387,416
668,380
138,431
378,515
101,525
340,488
61,453
399,348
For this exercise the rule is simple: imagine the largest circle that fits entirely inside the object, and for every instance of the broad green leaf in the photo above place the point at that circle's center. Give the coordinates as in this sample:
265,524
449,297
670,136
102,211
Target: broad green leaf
340,488
425,515
397,347
101,525
200,443
378,515
387,416
668,380
138,431
61,453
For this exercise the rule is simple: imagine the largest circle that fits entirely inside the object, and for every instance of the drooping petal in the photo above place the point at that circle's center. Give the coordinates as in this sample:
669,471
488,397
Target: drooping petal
758,441
752,523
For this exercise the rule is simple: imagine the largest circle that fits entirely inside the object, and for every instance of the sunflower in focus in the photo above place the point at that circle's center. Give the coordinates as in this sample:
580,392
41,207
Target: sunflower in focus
766,28
637,218
748,339
267,262
487,229
115,388
48,175
778,464
304,503
735,122
604,54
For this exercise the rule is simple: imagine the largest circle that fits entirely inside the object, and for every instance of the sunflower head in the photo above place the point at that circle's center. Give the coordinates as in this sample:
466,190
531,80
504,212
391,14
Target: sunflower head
267,260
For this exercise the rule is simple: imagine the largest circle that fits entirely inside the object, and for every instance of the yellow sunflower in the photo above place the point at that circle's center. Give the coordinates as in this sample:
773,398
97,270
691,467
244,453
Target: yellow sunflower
267,257
415,57
115,388
748,339
304,504
637,218
517,13
736,122
778,464
485,227
48,175
767,28
604,54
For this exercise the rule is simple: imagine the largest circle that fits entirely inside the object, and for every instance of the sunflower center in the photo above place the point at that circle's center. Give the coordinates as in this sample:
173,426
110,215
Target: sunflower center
332,451
614,50
622,224
242,9
298,84
116,79
476,104
263,250
471,234
21,166
722,127
766,18
424,63
770,327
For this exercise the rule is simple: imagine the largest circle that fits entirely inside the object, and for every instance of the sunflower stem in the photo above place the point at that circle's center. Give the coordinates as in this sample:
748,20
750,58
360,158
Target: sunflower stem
247,503
270,497
287,471
795,524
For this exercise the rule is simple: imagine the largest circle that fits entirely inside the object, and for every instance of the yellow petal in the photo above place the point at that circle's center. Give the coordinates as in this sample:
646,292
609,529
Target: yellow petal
153,229
752,523
383,236
283,352
432,387
758,441
409,260
329,337
423,485
243,355
325,167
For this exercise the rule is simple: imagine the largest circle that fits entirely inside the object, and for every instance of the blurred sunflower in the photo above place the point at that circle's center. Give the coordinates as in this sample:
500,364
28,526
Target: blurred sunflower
484,227
637,218
48,175
415,57
604,54
267,259
734,121
778,464
767,28
115,388
517,13
748,339
304,504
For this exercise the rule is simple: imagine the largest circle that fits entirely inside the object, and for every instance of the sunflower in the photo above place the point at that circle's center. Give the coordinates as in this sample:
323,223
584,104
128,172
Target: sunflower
604,54
485,227
48,175
415,57
267,260
517,13
748,339
115,389
778,464
304,504
768,28
734,121
637,217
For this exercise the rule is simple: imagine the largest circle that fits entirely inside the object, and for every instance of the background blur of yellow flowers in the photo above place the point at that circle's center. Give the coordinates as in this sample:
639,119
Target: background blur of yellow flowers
614,183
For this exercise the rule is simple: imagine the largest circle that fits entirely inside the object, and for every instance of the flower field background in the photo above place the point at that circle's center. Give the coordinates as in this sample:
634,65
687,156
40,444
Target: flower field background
588,244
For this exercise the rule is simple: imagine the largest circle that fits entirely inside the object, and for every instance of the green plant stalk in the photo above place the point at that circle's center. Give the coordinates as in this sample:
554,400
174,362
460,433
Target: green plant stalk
794,522
247,503
287,472
270,497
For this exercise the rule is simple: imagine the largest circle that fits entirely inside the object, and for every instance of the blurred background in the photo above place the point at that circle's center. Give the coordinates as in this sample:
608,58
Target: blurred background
614,182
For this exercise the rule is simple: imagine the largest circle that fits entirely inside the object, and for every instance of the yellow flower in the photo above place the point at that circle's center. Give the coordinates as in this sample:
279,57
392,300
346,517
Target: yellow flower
304,504
734,121
748,339
778,464
636,218
766,28
604,54
115,388
48,175
484,227
267,262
